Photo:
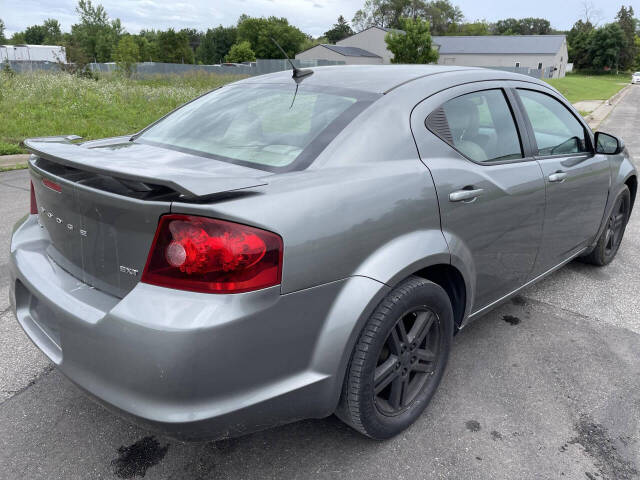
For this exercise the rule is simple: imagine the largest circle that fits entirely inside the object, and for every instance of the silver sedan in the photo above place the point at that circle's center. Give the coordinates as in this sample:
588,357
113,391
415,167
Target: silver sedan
284,248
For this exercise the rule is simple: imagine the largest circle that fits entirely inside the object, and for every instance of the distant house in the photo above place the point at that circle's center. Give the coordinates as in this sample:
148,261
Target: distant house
538,52
33,53
365,47
349,55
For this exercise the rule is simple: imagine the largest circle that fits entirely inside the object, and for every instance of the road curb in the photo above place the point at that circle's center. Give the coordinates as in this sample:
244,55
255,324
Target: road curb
10,162
600,114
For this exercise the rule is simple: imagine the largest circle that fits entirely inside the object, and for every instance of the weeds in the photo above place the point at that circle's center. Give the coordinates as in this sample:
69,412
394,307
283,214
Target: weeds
43,103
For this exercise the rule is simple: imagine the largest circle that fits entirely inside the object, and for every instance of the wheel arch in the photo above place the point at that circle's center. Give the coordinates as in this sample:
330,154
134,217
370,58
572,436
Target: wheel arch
451,280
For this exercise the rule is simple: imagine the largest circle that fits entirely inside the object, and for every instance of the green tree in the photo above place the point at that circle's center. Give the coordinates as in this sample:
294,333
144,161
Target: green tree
628,24
34,35
48,33
53,32
126,55
2,37
605,46
473,28
375,13
578,44
636,62
442,16
96,34
413,45
522,26
148,48
194,36
17,38
340,30
259,32
310,42
215,44
241,52
174,47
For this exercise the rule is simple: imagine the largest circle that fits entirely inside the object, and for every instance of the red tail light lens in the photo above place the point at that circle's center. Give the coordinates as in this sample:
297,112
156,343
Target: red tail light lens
212,256
34,205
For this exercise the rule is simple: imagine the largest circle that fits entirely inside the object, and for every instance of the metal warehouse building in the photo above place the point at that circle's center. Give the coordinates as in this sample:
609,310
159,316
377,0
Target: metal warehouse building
541,52
544,53
33,53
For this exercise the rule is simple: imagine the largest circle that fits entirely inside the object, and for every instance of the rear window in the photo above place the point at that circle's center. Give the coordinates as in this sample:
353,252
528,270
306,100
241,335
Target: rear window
265,126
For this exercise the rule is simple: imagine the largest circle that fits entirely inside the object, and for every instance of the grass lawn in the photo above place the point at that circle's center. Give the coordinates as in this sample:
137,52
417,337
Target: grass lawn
578,87
20,166
43,104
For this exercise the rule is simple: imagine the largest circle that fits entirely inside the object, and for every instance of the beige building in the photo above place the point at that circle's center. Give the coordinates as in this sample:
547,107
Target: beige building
365,47
371,40
348,55
536,52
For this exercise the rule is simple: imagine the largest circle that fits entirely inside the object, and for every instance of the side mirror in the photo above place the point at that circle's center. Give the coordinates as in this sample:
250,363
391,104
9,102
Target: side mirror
608,144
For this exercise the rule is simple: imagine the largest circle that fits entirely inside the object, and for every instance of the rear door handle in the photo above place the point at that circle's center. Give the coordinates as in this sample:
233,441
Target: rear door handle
557,177
465,195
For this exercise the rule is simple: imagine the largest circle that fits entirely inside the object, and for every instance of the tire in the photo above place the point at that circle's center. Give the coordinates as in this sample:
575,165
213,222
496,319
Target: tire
406,342
610,239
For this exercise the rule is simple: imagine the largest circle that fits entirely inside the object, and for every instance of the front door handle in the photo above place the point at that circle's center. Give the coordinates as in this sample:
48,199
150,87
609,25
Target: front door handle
465,195
558,177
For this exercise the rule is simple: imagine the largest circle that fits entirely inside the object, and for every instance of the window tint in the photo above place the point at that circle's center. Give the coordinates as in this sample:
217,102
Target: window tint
556,130
268,126
479,125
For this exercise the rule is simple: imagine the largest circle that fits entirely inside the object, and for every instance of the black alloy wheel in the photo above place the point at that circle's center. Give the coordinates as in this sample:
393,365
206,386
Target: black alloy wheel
610,239
407,361
398,360
616,226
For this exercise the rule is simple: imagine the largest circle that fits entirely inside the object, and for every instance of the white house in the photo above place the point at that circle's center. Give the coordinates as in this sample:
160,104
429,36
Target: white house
349,55
365,47
538,52
41,53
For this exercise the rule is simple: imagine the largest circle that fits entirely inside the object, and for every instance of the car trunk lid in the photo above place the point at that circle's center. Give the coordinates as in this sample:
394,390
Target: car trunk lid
101,205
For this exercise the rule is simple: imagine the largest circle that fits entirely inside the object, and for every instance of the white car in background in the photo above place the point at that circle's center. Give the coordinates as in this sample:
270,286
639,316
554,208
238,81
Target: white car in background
635,78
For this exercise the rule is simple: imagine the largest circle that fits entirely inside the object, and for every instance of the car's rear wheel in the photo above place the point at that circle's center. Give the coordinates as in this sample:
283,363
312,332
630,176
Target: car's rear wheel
610,239
399,360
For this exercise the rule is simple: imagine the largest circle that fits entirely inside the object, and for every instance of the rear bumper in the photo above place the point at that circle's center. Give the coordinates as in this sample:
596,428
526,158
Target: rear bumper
191,365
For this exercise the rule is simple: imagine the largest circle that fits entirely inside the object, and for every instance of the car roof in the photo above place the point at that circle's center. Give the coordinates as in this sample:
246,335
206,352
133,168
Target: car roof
377,78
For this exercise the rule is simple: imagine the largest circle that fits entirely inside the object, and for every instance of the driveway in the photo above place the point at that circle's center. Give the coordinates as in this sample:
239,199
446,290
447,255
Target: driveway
546,386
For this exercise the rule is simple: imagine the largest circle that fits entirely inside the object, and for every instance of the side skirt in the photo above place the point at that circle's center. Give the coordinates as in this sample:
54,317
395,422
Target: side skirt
482,311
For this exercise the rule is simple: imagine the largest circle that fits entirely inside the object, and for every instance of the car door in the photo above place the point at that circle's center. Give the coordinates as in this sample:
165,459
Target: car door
489,187
576,179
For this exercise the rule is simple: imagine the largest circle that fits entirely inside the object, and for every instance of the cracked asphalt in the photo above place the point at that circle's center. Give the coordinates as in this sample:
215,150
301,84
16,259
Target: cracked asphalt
546,386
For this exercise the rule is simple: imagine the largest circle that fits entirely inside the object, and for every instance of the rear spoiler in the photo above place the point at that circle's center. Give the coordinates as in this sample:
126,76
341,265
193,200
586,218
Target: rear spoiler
189,183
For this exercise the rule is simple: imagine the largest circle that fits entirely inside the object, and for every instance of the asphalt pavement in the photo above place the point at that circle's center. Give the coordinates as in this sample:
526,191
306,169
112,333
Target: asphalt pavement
546,386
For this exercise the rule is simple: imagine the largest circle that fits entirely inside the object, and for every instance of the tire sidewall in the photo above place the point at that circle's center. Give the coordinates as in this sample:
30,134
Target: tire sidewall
606,259
433,297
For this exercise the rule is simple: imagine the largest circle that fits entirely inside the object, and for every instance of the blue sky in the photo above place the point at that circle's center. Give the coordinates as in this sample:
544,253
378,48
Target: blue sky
312,16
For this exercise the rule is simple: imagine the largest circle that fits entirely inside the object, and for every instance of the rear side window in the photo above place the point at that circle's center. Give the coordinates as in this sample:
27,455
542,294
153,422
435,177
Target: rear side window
556,130
479,125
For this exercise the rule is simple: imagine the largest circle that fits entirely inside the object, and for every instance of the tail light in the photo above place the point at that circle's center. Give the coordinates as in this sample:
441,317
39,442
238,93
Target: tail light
34,205
212,256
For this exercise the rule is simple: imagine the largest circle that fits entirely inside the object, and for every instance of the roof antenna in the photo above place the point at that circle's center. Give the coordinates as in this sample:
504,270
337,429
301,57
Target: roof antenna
298,73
